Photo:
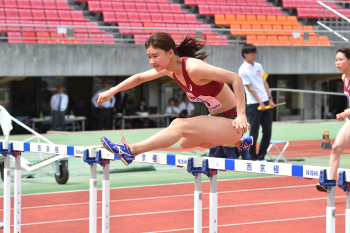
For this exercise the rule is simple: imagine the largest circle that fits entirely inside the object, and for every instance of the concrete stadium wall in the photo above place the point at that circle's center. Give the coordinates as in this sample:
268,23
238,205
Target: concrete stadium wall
33,60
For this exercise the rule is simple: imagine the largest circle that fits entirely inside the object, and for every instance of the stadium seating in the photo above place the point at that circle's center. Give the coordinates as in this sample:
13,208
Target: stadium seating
48,14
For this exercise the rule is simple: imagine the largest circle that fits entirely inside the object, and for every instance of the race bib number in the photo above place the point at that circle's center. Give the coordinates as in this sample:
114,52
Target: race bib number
209,101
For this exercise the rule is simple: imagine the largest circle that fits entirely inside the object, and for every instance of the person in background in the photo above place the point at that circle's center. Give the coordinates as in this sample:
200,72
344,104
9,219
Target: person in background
172,110
143,122
186,108
59,104
258,94
104,109
121,99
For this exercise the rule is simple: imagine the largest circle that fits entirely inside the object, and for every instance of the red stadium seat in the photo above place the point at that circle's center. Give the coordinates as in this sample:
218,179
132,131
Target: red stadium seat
44,37
191,18
129,6
78,16
36,4
168,18
145,17
141,7
133,17
125,30
137,25
109,17
236,10
95,29
52,25
246,10
80,30
176,8
180,18
49,5
63,5
13,28
121,17
157,18
256,10
214,9
152,7
204,10
3,28
14,37
25,14
29,37
82,38
26,29
64,15
118,6
39,15
164,8
140,39
11,13
106,6
108,39
40,29
52,15
94,6
266,10
23,4
225,9
10,4
96,39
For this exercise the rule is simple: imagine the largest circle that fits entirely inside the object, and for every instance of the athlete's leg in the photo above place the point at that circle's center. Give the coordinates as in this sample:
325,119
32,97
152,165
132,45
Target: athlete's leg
201,129
341,141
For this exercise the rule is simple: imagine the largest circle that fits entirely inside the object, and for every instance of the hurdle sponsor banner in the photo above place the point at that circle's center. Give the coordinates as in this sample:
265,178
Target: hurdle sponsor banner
150,157
314,172
263,167
17,145
216,163
79,151
105,154
181,161
48,148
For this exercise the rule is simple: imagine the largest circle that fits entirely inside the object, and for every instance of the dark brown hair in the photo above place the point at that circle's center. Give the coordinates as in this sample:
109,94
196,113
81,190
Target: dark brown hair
189,47
344,50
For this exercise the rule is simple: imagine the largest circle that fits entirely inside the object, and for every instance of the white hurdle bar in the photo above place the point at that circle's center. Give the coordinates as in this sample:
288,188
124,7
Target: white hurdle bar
282,169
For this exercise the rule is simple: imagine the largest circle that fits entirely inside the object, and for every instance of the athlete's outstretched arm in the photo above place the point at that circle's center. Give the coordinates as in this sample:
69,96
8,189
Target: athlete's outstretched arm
131,82
202,71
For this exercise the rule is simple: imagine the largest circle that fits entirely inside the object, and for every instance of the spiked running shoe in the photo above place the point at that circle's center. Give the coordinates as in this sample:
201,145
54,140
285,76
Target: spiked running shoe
247,141
122,150
321,188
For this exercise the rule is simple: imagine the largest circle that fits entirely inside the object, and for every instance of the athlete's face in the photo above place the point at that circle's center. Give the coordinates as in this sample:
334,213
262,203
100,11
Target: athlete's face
158,58
250,57
341,61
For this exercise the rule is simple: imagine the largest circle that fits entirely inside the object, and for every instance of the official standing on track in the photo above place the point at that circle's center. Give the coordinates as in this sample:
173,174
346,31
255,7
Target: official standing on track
104,110
59,104
258,94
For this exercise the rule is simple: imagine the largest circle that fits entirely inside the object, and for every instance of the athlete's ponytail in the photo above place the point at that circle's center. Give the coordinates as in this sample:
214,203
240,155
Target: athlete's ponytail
189,47
344,50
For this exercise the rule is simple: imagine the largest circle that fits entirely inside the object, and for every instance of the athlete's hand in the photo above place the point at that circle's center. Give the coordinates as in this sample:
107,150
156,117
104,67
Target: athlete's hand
342,116
104,97
240,124
271,103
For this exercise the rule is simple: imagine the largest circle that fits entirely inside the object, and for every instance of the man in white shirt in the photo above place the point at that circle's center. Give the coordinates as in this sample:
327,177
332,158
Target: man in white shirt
103,110
186,108
59,104
258,94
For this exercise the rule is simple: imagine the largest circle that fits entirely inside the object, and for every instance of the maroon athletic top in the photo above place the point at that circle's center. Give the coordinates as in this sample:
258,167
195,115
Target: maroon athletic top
211,89
346,90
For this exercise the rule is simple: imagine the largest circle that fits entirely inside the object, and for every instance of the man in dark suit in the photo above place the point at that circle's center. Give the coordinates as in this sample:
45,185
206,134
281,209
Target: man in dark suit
121,99
143,122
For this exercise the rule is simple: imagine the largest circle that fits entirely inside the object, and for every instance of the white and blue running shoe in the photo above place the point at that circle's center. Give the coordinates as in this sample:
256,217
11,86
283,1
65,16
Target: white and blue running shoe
122,150
247,141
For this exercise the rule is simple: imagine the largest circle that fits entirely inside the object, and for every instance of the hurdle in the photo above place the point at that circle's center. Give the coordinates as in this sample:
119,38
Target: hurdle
344,184
209,167
324,174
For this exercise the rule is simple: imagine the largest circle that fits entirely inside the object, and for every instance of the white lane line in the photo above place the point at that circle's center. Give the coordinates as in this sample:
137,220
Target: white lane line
248,223
183,210
163,197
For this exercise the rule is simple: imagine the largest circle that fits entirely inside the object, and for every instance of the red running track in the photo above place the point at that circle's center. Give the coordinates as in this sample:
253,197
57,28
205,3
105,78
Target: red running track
264,205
